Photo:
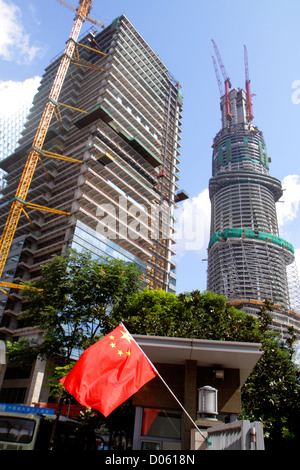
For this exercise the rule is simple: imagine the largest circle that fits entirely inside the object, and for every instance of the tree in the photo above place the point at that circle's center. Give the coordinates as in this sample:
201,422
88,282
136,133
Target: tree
271,393
192,315
82,298
72,304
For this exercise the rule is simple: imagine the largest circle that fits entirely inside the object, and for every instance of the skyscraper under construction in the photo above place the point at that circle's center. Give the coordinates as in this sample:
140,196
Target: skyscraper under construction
247,258
109,160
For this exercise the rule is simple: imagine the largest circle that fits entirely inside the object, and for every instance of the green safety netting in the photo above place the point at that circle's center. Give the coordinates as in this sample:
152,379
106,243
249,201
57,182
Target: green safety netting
250,234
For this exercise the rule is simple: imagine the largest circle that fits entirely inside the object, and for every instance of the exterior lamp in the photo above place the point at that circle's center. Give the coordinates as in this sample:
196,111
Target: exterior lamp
208,402
219,374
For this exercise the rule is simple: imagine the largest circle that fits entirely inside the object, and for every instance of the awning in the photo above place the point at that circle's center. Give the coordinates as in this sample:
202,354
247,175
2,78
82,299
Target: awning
207,353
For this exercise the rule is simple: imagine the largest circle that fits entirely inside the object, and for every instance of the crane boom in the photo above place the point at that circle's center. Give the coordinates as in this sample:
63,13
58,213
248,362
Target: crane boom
246,63
19,201
247,86
71,7
227,83
67,5
225,76
218,77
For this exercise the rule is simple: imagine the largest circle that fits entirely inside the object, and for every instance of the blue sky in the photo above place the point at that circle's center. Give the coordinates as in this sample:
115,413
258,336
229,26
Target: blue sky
33,32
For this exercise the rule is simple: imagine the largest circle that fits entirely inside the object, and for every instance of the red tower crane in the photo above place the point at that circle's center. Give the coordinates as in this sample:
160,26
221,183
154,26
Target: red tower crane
226,82
218,77
248,91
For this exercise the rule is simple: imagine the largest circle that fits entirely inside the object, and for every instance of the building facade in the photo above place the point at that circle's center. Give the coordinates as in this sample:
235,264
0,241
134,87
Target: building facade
247,258
119,115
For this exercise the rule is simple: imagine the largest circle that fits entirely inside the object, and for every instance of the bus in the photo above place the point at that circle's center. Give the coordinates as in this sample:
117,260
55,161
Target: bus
32,431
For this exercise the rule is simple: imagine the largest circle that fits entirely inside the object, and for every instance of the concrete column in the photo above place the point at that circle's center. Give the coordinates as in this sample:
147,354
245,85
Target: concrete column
2,361
33,394
190,401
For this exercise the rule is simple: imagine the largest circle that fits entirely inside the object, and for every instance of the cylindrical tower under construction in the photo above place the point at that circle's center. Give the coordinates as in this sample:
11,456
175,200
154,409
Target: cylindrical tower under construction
246,257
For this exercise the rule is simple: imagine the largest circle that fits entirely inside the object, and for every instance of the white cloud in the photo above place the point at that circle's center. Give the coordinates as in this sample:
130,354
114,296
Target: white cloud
193,216
193,224
14,96
287,210
15,43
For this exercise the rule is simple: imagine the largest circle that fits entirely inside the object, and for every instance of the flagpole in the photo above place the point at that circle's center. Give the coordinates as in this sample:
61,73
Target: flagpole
182,407
173,395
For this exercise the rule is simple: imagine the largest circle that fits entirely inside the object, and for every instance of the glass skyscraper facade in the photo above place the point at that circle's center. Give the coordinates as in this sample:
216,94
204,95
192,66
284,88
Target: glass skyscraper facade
119,116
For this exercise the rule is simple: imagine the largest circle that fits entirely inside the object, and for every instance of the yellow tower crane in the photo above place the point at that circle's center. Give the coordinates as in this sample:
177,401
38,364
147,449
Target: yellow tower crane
19,202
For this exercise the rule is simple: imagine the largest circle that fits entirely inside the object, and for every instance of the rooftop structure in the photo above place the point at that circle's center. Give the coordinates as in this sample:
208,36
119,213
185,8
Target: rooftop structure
247,258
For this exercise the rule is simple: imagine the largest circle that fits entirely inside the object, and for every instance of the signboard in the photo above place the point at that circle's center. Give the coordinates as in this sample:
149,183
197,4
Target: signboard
25,409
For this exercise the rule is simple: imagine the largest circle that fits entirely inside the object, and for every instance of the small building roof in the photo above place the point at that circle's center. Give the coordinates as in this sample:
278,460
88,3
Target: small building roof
207,353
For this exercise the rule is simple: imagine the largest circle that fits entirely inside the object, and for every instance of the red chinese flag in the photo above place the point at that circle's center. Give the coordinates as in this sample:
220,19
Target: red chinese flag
109,372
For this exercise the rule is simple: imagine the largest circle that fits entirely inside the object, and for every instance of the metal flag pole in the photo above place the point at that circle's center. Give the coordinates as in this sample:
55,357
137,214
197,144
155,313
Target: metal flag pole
173,395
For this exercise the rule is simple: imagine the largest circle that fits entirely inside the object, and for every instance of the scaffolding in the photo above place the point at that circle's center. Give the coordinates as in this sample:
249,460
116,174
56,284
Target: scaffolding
247,259
109,145
294,286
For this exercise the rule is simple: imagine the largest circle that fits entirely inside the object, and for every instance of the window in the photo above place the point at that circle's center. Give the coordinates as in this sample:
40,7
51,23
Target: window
13,395
17,372
16,429
161,423
157,429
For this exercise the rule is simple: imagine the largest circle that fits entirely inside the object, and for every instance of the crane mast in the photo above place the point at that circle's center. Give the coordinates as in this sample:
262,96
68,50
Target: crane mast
19,202
247,86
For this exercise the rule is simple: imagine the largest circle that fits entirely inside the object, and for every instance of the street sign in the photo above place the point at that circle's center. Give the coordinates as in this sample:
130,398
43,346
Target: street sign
25,409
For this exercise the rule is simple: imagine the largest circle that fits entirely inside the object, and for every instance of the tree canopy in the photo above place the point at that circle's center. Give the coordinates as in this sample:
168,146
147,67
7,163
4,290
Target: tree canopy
271,393
73,302
83,298
192,315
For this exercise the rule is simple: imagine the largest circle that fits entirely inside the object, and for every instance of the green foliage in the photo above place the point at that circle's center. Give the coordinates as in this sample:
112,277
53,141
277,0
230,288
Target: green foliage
271,393
56,373
21,352
76,295
194,315
83,298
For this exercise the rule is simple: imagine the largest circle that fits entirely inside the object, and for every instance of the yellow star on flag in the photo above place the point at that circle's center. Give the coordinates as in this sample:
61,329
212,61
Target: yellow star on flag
134,371
126,336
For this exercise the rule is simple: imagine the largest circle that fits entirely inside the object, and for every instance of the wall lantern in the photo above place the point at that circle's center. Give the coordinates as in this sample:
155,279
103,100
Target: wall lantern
208,402
219,374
